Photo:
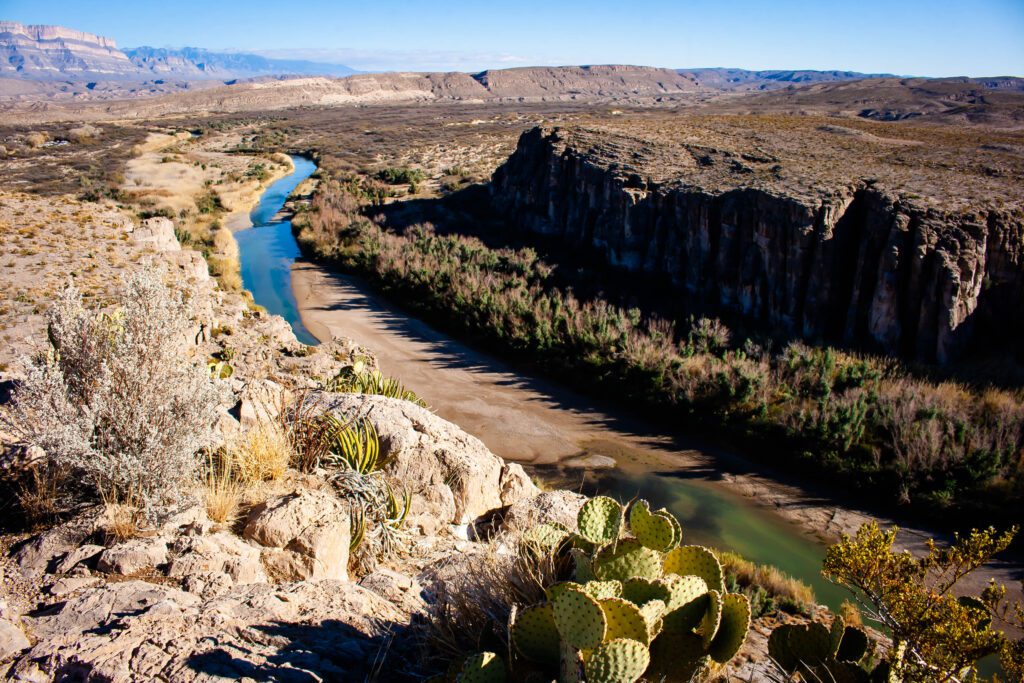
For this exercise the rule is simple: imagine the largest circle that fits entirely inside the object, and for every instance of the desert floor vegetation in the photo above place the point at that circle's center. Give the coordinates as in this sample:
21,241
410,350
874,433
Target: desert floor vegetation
864,420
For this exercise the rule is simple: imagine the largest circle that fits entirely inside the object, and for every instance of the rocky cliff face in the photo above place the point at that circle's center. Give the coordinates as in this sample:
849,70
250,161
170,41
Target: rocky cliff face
57,52
855,264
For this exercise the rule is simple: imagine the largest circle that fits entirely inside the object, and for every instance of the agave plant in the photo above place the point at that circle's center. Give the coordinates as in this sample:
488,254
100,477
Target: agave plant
357,380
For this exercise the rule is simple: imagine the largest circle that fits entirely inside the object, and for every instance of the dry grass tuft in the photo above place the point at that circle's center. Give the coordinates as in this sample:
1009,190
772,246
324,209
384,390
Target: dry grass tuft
40,495
476,595
261,454
851,614
773,580
222,491
123,516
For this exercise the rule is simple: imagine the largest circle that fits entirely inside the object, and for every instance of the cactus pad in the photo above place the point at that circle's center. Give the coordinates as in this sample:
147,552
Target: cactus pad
835,635
583,570
676,656
546,536
600,520
556,589
677,530
712,618
603,589
778,647
618,661
626,560
809,644
652,530
653,611
485,667
732,630
698,561
683,590
642,591
853,646
535,635
625,620
580,619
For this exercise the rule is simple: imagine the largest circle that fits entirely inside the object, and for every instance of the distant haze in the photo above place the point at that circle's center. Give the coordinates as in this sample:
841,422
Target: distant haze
920,37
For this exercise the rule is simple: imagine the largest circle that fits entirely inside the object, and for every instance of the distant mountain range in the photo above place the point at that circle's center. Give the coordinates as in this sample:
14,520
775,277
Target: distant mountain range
743,80
49,53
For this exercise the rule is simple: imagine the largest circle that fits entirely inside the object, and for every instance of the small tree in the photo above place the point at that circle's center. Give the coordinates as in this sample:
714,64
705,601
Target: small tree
116,399
937,636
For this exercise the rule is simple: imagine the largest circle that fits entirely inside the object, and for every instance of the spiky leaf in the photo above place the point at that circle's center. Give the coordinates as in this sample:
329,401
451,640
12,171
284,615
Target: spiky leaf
547,536
603,589
579,619
853,646
618,661
732,630
641,591
600,520
535,635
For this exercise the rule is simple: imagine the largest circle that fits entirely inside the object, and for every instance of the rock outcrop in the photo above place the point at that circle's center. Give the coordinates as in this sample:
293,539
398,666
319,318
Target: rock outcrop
50,52
854,264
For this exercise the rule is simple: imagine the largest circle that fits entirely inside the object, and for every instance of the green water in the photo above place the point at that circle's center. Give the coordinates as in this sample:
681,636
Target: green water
709,513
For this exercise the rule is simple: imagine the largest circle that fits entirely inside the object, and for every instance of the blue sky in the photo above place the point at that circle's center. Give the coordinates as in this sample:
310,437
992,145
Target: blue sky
928,38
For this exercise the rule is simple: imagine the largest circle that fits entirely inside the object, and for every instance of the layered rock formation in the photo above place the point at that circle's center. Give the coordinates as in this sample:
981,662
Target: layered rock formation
58,52
854,263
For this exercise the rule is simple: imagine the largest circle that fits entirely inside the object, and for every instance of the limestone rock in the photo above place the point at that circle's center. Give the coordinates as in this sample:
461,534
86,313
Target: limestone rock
133,556
42,552
422,450
134,631
550,506
260,402
12,639
308,533
157,233
81,554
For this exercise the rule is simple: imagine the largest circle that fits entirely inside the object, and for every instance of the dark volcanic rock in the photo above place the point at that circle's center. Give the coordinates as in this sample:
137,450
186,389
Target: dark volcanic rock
854,264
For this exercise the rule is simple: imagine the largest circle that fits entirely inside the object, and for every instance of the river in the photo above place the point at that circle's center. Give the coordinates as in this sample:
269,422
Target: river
719,499
268,250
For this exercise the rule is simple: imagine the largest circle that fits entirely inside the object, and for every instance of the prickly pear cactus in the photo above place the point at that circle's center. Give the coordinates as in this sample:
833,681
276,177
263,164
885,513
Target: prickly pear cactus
816,651
600,520
620,660
640,604
485,667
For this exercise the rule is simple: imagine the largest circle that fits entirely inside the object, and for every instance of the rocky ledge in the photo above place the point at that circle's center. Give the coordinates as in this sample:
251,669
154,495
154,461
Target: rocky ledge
836,258
270,597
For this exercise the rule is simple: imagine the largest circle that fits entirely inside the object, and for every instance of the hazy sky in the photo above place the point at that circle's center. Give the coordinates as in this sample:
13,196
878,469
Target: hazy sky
918,37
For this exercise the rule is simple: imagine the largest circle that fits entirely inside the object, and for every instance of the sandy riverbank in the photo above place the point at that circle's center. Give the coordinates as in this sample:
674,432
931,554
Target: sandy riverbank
531,420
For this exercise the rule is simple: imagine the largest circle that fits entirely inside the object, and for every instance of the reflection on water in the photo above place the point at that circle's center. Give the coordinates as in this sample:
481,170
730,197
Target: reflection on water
268,249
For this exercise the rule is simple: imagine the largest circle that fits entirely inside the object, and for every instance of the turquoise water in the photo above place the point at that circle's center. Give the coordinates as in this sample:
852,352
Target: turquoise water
268,249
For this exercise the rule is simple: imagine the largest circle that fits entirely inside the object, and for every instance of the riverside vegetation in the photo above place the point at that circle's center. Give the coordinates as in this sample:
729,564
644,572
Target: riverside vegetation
866,420
124,417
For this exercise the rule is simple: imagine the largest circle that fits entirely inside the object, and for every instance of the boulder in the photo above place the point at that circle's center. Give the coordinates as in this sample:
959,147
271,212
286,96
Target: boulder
12,639
156,233
550,506
82,554
219,553
421,450
133,556
136,631
307,533
260,402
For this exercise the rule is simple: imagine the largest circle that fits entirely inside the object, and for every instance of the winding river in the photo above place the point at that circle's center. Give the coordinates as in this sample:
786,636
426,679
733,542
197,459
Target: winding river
268,250
563,436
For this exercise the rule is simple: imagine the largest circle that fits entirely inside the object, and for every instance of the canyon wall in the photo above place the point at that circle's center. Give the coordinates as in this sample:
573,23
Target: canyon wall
857,266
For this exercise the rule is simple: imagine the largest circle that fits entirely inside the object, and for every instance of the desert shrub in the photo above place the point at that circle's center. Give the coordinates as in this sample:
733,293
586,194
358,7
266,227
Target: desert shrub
401,176
775,583
84,134
36,139
937,635
115,398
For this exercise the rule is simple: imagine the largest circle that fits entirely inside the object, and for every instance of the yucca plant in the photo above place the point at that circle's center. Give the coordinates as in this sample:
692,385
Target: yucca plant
357,380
